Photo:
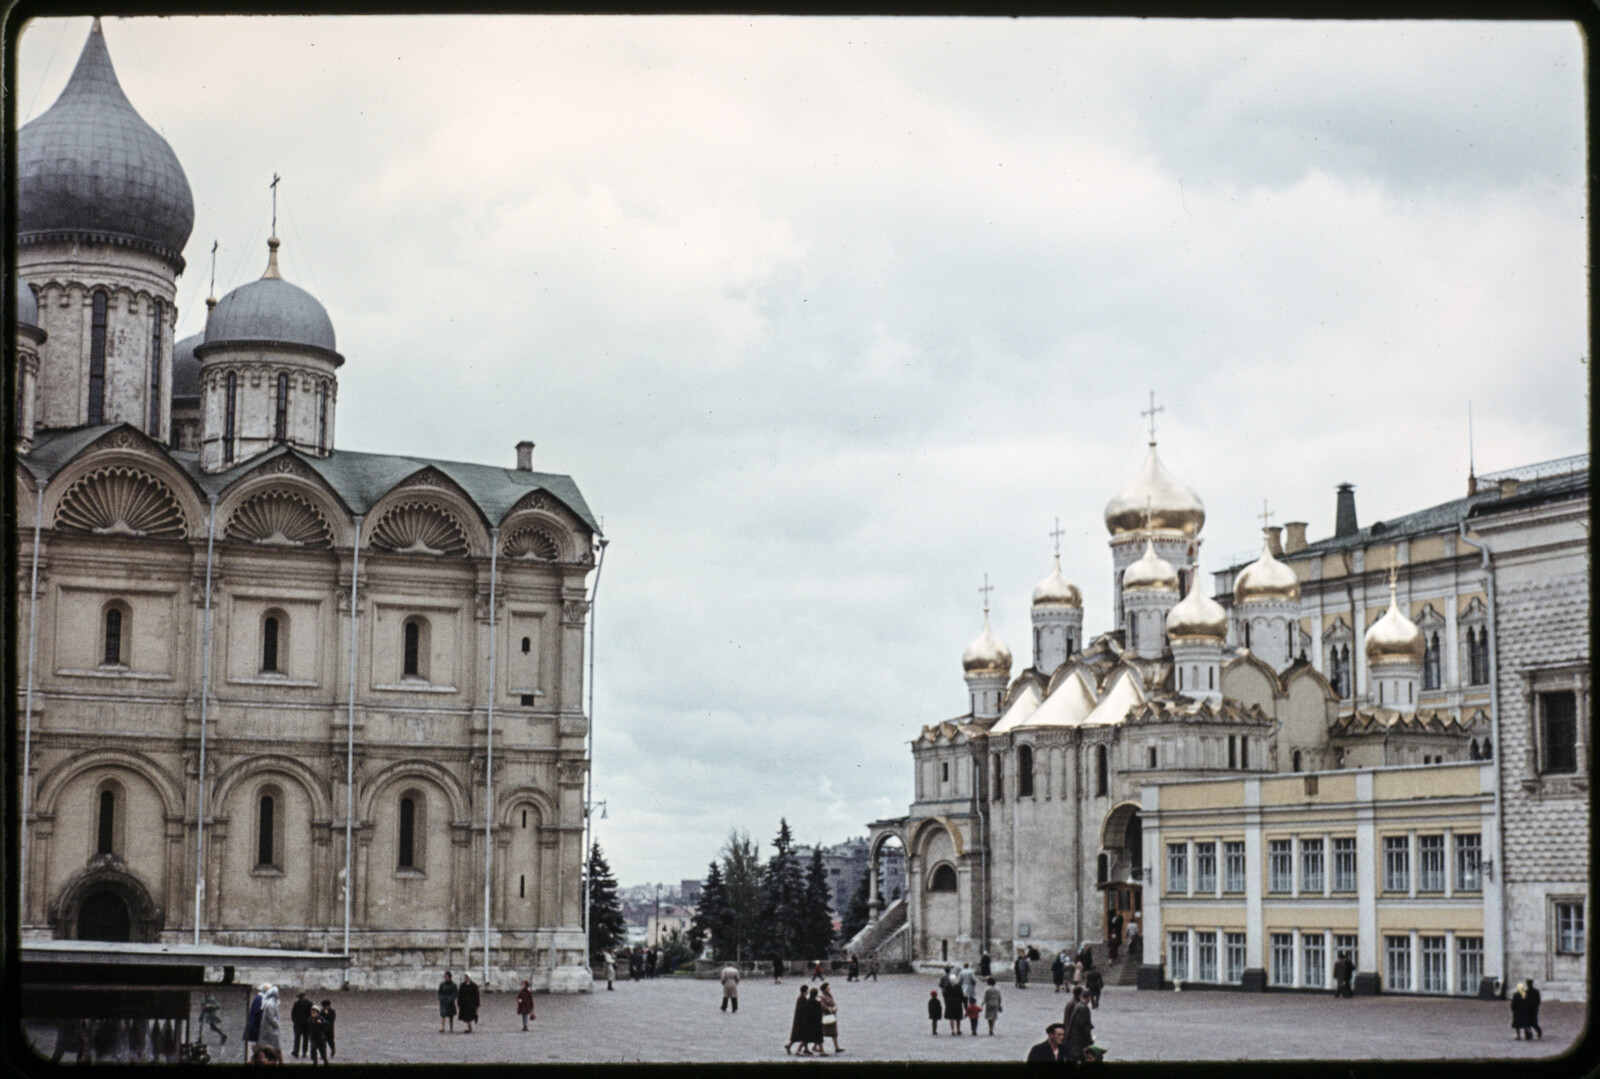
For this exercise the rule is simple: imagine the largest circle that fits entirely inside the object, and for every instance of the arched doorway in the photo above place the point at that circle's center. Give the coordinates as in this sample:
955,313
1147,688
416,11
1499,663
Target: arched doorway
1121,869
104,915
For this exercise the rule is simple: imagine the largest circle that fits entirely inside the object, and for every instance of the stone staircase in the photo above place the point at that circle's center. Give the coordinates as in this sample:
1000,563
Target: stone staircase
889,938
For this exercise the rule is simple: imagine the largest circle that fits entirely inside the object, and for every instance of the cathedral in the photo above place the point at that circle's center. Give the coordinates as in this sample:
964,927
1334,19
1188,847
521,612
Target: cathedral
273,692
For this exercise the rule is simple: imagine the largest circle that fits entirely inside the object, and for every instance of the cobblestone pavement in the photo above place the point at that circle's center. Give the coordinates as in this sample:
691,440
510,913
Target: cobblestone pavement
677,1019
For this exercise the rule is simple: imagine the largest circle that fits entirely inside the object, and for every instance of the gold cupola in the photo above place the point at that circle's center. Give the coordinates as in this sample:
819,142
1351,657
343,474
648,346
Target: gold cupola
1394,638
1266,579
1172,506
986,655
1150,573
1197,615
1056,591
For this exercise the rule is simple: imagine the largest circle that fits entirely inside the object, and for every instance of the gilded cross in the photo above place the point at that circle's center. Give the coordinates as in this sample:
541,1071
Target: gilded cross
986,589
1265,513
1056,535
1151,412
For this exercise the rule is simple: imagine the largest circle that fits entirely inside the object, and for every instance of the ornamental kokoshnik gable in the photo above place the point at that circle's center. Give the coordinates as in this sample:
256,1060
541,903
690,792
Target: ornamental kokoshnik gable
341,658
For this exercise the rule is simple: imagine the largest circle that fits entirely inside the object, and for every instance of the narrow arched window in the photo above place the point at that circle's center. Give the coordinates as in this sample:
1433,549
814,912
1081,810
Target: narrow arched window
408,833
1025,772
1211,678
230,409
106,825
1102,771
322,419
280,419
155,368
1430,663
527,645
269,643
114,652
266,832
999,778
412,647
1180,678
944,879
97,358
1296,766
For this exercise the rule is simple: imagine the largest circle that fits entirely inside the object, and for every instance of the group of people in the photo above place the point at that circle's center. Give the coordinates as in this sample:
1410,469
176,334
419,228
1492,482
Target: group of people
1069,972
1115,927
957,999
311,1024
1525,1012
121,1041
855,968
816,1017
1070,1041
462,1002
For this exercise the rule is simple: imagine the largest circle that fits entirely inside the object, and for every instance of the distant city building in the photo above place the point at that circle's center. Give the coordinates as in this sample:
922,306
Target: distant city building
846,864
673,917
689,891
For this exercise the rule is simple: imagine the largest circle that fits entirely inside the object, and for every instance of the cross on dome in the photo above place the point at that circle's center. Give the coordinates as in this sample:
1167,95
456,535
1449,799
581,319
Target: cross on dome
986,589
1151,412
1265,514
1056,535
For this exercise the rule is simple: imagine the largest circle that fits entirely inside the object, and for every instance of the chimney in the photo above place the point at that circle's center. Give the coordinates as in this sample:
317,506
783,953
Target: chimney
524,456
1296,539
1274,539
1508,488
1344,518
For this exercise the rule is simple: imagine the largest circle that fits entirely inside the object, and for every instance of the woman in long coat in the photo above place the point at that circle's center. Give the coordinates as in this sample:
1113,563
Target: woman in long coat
955,1001
447,1003
797,1026
271,1028
1520,1021
467,1001
252,1021
991,1004
1080,1029
830,1007
813,1029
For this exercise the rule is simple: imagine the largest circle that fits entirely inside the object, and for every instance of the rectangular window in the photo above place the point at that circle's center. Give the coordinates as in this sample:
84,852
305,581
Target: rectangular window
1233,867
1344,864
1177,867
1569,928
1233,751
1234,959
280,420
1205,957
1397,963
1396,863
1280,865
1469,863
155,369
1205,867
1433,965
322,420
1178,955
1559,713
1244,752
1430,863
230,405
1469,964
1313,959
1283,959
97,360
1311,865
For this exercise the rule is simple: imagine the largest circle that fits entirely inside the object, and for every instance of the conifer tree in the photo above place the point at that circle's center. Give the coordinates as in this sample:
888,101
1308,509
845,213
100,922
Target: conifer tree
742,879
816,915
783,902
710,924
856,912
607,926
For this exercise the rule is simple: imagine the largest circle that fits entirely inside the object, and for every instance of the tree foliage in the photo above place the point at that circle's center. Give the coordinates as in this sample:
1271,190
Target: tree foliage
742,882
783,904
710,923
607,926
856,912
816,914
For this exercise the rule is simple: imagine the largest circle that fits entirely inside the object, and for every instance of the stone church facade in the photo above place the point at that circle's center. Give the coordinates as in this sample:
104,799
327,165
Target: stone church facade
263,678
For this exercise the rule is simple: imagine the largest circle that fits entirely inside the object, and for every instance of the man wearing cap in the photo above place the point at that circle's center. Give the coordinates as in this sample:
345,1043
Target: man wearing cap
1051,1050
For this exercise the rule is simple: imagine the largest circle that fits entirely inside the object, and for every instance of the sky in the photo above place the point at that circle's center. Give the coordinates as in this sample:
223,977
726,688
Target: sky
830,318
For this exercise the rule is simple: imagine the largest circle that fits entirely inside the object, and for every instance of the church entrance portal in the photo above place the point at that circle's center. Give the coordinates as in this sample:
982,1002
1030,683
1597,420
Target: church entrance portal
104,916
1126,899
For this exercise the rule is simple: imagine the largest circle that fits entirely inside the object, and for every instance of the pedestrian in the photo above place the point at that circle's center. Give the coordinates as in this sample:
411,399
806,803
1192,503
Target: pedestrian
872,966
1021,967
814,1033
969,984
1051,1050
210,1016
985,966
1086,956
777,969
973,1011
830,1016
1135,939
1114,934
610,961
467,1001
252,1021
991,1004
1094,981
730,987
1519,1012
447,1003
1058,970
816,971
797,1025
1533,1010
525,1003
935,1010
955,1001
1080,1029
650,959
1343,971
69,1035
329,1016
316,1036
271,1026
299,1015
855,969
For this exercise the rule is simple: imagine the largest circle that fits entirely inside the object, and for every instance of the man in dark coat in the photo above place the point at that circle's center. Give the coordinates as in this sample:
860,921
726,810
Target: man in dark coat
1533,1009
1093,983
1051,1050
985,965
1343,971
329,1016
1114,937
299,1015
1079,1026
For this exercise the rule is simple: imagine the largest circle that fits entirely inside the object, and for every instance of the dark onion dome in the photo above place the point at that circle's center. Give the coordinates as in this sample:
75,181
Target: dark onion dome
186,369
90,167
27,305
271,311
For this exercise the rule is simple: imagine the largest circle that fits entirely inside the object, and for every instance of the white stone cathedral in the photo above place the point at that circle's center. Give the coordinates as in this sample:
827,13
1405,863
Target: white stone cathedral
263,677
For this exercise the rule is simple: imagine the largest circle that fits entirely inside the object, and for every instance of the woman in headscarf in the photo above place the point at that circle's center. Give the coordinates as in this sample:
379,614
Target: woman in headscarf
830,1016
252,1021
271,1029
467,1001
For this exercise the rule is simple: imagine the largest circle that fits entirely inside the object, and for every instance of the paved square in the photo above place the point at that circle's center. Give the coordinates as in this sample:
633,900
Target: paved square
676,1019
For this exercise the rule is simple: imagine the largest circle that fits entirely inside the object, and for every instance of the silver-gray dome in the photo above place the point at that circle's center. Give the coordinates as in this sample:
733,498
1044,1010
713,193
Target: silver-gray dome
271,310
90,165
27,305
186,369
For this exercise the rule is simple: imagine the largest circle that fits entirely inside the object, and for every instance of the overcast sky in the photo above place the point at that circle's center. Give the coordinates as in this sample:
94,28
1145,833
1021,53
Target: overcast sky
830,317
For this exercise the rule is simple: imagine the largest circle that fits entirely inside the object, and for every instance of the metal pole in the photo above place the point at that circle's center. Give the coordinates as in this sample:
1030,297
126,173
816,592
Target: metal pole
588,773
27,714
205,703
488,761
350,749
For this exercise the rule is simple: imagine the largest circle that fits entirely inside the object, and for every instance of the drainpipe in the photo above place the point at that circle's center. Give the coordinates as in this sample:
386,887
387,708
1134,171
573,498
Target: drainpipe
488,760
588,773
1494,737
205,702
27,714
350,750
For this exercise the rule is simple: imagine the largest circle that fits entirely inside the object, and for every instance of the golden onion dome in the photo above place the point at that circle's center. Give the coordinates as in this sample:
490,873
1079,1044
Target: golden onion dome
1056,591
1394,638
1197,614
1171,505
986,655
1266,579
1150,573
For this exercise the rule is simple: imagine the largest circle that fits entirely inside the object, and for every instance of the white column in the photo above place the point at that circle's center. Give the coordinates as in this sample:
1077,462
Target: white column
1327,866
1450,961
1254,942
1294,867
1411,878
1154,940
1295,963
1188,855
1366,877
1416,962
1449,863
1493,889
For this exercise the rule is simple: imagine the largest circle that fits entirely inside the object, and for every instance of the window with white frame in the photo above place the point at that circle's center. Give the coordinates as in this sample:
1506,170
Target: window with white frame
1344,863
1569,927
1178,954
1177,867
1469,862
1430,863
1233,957
1282,958
1205,867
1280,865
1313,958
1397,963
1233,866
1469,964
1434,952
1311,865
1205,956
1396,863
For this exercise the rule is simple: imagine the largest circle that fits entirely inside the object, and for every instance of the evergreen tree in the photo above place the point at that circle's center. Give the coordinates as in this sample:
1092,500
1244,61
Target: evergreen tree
710,924
607,927
856,912
742,880
816,915
783,901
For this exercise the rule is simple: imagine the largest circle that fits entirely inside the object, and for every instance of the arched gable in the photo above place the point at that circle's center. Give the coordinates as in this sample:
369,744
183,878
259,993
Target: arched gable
923,833
508,800
1251,681
881,839
427,513
250,767
125,483
1305,671
1114,830
541,529
416,768
59,778
281,501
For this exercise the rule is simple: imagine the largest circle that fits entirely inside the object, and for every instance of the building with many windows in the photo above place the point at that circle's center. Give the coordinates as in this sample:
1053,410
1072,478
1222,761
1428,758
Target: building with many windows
265,676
